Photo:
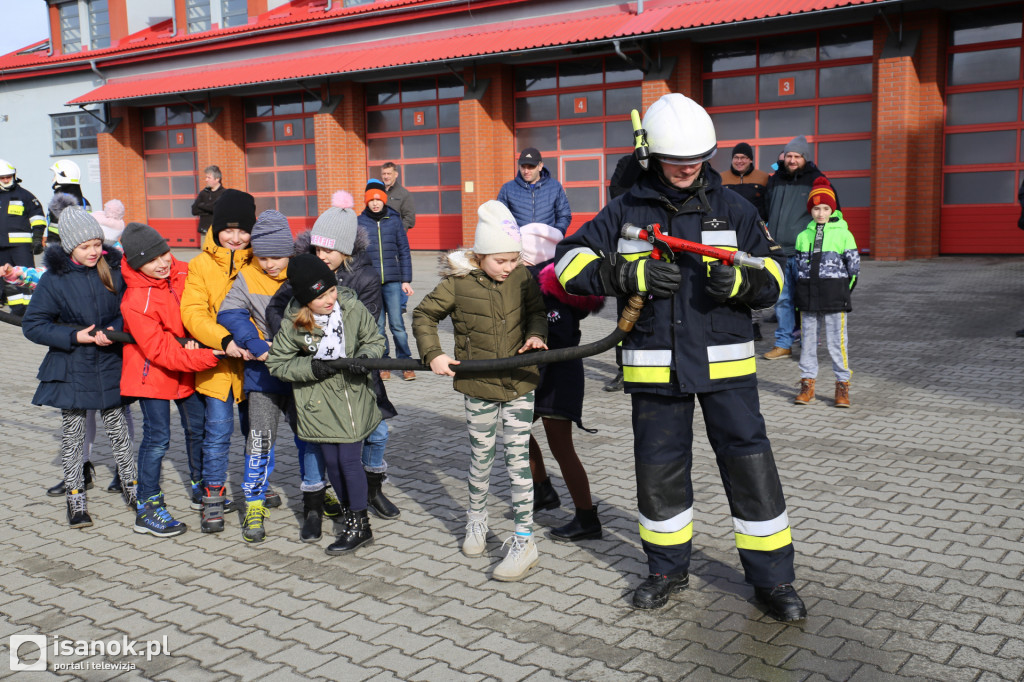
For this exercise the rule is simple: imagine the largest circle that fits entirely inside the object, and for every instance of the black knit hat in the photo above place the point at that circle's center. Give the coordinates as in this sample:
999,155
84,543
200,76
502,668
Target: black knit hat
141,244
234,209
310,278
745,149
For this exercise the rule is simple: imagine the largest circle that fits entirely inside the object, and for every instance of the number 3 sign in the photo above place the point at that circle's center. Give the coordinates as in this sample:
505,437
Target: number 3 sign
787,86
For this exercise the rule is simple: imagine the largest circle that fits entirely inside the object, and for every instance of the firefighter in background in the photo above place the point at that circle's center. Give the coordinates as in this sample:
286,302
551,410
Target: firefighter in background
693,341
67,179
21,220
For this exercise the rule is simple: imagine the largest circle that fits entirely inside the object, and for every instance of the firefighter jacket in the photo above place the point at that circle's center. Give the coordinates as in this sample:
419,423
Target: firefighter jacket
20,215
689,342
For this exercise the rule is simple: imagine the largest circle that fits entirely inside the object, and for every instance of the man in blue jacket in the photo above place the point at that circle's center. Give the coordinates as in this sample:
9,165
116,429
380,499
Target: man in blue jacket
534,196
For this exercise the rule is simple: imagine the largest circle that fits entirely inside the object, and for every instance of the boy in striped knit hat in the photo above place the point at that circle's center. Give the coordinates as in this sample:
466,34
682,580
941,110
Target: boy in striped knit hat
827,267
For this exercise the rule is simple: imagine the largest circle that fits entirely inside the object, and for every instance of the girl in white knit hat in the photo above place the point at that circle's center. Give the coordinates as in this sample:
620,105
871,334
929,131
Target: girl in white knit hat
497,312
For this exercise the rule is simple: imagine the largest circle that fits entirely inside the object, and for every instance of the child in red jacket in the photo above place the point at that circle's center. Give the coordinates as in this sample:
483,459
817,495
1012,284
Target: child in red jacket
157,369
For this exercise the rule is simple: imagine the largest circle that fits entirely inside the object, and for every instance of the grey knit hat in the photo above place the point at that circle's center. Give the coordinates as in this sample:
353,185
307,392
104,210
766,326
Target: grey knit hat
799,145
141,244
335,229
271,236
77,226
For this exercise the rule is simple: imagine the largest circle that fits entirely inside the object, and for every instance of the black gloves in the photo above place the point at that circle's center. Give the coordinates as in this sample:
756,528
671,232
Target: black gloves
724,281
321,370
646,276
37,244
357,369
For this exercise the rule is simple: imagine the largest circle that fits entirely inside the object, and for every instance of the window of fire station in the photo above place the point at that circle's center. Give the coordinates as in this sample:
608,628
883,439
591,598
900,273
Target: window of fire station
576,113
984,146
280,155
766,91
415,123
169,147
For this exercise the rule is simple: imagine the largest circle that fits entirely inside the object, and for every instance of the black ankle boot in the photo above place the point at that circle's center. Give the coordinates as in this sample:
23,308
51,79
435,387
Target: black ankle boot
356,535
653,593
381,506
544,496
312,514
782,602
88,470
584,526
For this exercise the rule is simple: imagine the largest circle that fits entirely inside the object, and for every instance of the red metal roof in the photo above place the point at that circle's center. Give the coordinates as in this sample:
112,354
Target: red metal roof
296,13
510,36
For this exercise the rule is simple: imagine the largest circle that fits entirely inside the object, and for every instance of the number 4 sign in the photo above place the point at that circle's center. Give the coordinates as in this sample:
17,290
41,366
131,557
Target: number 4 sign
579,105
787,86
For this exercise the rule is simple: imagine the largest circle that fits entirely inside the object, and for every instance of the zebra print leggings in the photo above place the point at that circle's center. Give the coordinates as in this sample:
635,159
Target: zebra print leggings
73,438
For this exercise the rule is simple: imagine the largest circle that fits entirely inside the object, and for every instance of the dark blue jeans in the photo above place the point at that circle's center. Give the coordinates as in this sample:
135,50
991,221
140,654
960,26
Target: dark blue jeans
391,315
220,426
156,438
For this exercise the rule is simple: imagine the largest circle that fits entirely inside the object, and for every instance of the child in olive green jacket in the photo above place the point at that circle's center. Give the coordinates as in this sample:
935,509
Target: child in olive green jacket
497,311
336,408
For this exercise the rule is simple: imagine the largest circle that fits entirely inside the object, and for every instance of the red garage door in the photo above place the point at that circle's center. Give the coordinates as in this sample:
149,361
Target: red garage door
984,146
169,148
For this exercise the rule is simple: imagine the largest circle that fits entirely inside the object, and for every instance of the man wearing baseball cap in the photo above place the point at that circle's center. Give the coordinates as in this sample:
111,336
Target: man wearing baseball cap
533,196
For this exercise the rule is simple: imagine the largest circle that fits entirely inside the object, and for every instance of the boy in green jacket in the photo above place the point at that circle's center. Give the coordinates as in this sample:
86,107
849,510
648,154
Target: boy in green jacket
827,267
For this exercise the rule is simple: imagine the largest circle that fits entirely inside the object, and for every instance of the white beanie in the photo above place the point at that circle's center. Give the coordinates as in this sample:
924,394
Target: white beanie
496,230
539,242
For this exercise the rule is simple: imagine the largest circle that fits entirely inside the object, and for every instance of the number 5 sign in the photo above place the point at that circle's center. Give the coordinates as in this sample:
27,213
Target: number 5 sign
787,86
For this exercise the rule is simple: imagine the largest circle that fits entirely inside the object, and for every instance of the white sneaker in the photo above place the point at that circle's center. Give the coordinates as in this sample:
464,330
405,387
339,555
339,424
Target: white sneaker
521,557
475,543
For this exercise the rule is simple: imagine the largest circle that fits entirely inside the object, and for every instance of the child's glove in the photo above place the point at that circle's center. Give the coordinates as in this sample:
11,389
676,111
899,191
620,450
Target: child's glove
647,276
321,370
357,369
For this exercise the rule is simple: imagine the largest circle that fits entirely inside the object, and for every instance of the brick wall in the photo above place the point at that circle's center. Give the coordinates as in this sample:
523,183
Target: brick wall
487,142
341,147
122,166
907,145
220,143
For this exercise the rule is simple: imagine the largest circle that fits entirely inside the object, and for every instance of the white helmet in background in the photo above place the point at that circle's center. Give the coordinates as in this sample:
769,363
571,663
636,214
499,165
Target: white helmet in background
679,130
66,173
7,168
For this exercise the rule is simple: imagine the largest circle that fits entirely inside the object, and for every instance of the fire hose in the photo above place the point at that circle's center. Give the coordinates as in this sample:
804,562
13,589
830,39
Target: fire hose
664,246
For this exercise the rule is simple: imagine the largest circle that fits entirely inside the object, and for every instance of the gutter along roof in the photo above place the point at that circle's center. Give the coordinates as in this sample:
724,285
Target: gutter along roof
603,24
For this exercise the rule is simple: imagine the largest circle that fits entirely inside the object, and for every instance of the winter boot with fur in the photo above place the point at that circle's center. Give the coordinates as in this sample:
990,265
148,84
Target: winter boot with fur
806,394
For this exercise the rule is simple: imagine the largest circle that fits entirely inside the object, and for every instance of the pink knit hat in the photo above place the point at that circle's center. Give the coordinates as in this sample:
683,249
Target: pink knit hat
111,219
539,242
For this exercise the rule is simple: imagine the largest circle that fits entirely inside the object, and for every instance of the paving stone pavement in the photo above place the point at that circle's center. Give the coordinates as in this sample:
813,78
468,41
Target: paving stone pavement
906,513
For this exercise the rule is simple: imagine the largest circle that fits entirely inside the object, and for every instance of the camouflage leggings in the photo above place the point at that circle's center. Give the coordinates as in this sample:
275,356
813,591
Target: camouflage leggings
516,417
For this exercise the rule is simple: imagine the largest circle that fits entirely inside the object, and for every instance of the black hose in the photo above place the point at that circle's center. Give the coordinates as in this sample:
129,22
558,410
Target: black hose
541,357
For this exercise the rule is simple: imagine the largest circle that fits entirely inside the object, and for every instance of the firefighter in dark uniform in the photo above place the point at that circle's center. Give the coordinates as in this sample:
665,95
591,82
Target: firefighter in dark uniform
67,179
693,341
21,226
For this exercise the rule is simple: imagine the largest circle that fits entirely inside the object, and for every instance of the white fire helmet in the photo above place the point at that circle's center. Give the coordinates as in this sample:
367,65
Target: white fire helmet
66,173
7,168
679,130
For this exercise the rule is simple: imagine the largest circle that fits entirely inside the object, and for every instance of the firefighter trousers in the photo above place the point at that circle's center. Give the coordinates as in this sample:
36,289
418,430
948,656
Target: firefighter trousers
663,453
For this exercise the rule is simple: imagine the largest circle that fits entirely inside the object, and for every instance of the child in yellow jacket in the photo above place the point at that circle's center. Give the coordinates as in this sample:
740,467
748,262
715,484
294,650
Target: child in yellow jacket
210,276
